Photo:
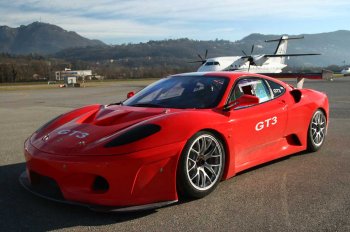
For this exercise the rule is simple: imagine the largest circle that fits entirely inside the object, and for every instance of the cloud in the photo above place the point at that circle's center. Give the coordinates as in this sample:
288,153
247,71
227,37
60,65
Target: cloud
114,20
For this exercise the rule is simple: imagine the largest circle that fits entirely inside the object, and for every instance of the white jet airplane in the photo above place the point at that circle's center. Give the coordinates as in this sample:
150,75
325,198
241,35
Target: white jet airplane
262,63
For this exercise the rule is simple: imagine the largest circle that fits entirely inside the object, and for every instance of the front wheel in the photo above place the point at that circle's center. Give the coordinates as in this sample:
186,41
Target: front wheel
317,131
201,165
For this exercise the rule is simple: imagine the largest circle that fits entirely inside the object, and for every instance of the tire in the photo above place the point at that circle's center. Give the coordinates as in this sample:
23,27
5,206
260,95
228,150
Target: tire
317,131
201,165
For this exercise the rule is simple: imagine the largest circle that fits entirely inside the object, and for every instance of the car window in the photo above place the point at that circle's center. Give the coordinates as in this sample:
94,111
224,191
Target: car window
251,86
210,63
276,89
181,92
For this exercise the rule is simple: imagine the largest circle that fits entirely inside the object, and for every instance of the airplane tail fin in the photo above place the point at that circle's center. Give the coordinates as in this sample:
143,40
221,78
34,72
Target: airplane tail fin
281,48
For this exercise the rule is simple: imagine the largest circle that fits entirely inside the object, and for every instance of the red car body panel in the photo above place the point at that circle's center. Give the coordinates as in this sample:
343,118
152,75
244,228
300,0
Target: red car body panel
70,149
135,179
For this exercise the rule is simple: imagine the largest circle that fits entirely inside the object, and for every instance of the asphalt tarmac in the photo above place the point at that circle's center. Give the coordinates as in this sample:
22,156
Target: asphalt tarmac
303,192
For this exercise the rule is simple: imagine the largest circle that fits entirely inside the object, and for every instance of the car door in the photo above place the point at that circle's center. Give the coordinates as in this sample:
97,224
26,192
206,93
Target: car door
257,129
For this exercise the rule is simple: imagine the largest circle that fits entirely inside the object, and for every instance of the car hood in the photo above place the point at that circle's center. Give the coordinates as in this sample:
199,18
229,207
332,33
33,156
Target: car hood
79,130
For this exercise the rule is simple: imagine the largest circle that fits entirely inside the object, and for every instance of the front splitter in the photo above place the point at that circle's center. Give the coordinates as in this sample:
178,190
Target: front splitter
24,181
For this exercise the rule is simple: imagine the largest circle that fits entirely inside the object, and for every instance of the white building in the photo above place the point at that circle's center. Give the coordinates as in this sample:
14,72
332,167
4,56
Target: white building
79,74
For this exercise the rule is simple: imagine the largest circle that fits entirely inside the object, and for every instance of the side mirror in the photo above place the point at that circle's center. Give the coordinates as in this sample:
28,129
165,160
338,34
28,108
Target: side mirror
130,94
244,101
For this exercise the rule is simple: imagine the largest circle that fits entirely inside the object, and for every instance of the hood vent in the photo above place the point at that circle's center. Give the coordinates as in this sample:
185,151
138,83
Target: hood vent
134,134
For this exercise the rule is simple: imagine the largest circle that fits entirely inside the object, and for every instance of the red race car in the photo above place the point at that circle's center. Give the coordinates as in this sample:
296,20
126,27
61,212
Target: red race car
180,136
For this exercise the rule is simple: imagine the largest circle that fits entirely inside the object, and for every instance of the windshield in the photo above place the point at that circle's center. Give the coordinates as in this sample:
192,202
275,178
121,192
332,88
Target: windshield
181,92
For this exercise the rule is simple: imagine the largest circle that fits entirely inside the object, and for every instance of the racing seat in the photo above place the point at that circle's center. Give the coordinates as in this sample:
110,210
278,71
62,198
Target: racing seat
247,90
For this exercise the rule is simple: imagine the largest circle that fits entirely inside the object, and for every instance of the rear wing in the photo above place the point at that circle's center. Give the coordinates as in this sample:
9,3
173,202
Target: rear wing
300,77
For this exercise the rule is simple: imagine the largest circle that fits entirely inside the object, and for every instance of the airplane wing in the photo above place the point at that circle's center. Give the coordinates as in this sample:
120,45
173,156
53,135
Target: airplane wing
285,55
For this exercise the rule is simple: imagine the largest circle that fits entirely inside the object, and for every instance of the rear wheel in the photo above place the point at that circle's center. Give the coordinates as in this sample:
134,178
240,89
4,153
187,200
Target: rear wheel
317,131
201,165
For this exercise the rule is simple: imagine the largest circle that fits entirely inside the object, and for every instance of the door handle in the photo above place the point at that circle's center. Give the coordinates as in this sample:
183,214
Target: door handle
283,104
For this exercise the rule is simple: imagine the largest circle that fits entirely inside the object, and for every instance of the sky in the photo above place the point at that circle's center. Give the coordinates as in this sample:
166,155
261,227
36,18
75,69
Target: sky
133,21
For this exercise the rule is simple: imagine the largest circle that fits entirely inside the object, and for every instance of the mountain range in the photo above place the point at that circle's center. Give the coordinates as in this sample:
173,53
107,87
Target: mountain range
48,39
40,38
333,47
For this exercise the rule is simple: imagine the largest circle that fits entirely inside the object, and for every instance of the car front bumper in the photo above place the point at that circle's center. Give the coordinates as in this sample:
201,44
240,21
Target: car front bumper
141,180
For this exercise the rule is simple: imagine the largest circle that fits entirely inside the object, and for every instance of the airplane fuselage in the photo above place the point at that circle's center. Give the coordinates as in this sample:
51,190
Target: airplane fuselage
218,63
236,63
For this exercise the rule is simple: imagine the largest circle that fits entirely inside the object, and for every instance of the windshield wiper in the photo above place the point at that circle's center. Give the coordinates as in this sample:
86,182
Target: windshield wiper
147,105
